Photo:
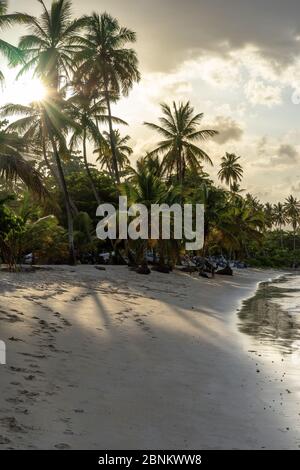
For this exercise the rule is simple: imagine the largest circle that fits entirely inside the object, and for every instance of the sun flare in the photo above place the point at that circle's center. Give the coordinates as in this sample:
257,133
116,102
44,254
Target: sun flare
25,91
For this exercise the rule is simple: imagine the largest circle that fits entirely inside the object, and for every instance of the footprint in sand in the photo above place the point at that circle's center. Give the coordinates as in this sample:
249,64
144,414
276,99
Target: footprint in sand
12,424
14,401
4,440
62,446
30,377
18,369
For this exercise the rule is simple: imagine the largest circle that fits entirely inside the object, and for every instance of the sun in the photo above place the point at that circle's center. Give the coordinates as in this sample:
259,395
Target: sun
24,91
28,90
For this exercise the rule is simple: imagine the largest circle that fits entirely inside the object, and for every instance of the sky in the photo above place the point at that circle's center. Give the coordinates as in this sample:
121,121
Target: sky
237,61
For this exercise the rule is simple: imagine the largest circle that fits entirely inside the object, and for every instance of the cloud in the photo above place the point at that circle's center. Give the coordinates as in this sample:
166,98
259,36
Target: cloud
287,155
259,92
228,129
170,31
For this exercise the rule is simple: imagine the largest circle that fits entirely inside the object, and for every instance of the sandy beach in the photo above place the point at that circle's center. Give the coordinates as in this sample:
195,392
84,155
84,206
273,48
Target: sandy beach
116,360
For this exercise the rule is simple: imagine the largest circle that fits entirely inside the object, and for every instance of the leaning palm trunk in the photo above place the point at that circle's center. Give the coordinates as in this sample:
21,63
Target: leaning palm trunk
89,174
66,201
57,179
111,135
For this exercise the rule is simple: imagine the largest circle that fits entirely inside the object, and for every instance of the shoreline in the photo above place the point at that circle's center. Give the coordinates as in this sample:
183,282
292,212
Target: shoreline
116,360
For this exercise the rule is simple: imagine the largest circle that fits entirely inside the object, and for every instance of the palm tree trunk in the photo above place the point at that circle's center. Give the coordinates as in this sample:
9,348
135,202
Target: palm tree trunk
56,178
281,236
111,134
90,176
67,202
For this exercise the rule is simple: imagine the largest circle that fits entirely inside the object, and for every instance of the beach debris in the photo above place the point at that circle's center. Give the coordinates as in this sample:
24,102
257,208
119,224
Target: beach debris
227,271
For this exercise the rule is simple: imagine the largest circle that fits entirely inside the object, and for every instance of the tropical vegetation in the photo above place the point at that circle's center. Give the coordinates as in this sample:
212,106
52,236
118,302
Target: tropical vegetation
62,156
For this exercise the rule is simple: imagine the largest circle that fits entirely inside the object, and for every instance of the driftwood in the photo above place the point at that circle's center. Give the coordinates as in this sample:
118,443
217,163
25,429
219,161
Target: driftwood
161,269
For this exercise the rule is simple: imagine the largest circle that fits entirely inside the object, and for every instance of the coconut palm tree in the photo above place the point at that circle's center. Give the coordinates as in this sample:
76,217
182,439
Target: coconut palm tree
231,171
280,219
88,113
292,212
53,40
32,126
122,148
179,127
106,60
253,202
49,50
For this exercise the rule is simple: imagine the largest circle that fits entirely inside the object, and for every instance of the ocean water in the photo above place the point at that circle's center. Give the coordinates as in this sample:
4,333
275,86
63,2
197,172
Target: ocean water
271,318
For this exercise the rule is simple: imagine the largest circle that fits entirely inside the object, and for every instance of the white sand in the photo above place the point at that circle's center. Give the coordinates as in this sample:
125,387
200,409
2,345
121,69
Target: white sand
115,360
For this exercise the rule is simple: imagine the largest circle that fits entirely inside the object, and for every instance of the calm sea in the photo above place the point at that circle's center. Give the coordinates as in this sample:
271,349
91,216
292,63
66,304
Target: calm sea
271,319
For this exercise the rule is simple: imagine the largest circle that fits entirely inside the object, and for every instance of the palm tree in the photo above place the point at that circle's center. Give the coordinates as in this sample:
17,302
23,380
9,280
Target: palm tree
122,148
179,127
231,171
49,49
269,215
279,218
87,113
147,187
16,164
292,212
53,40
105,60
32,126
244,225
253,202
12,53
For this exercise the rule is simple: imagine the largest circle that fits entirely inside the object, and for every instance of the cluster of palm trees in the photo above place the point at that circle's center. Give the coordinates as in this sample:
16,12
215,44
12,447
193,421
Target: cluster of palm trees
86,65
285,214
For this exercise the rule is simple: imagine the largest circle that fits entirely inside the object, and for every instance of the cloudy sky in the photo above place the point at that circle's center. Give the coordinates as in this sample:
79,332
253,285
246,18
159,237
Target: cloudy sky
235,60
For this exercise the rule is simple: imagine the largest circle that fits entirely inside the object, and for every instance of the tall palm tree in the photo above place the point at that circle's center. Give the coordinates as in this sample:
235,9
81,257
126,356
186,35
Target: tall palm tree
32,126
292,211
231,171
123,151
280,219
106,60
88,113
179,127
49,49
11,52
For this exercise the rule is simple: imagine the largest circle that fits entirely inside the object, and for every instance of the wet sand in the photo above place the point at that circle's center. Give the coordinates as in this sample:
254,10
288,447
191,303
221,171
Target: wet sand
115,360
